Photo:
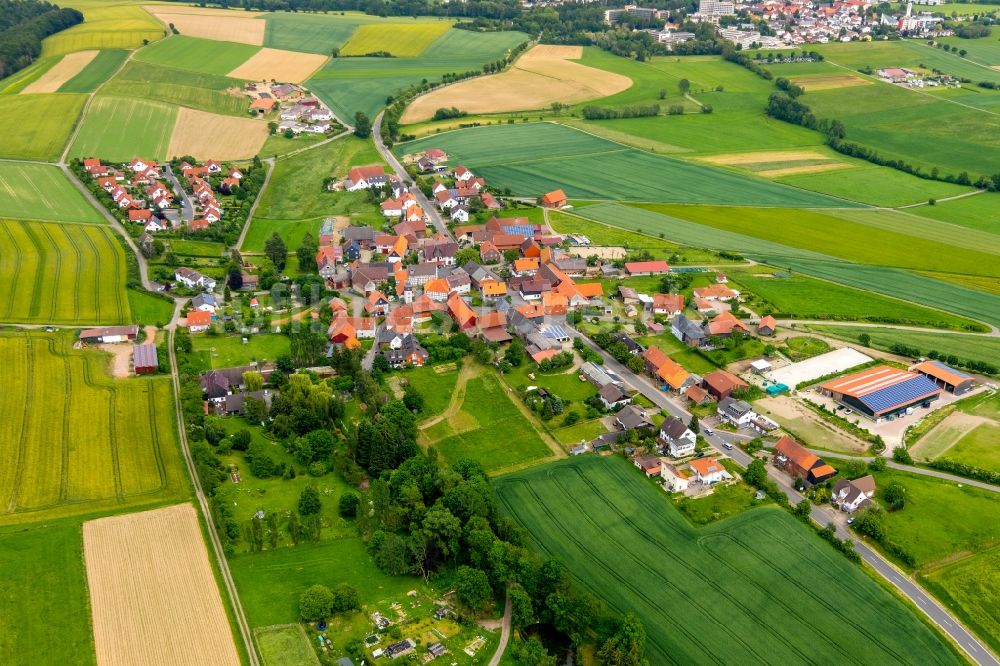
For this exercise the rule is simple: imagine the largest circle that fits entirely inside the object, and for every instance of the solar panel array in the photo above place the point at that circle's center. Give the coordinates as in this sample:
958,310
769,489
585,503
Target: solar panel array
941,366
520,230
899,394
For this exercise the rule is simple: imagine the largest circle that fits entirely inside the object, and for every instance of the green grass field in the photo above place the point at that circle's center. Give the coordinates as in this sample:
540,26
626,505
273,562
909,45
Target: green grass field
208,92
207,56
403,40
21,79
985,52
285,645
979,212
120,128
318,33
534,158
148,309
96,72
980,447
43,122
435,387
42,578
875,185
472,433
61,274
229,350
77,440
757,588
971,347
804,346
348,85
106,25
969,588
41,192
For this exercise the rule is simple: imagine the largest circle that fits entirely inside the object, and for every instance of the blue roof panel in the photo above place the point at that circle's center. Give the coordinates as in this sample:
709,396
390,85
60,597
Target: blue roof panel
520,230
941,366
899,395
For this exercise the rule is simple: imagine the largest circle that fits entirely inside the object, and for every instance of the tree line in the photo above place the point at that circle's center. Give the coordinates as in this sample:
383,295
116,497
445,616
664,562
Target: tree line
23,26
496,9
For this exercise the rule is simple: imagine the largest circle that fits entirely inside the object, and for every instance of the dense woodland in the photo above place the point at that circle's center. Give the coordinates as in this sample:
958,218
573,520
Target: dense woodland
23,26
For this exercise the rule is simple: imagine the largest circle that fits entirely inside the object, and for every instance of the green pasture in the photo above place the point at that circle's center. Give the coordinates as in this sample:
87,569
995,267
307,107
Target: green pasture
96,72
758,587
434,386
803,297
43,121
403,40
348,85
910,53
691,359
963,8
41,192
980,447
277,145
843,238
970,347
120,128
317,33
106,25
875,185
803,346
285,645
227,351
207,56
77,440
194,248
537,157
978,212
42,577
61,273
985,51
968,587
208,92
915,223
149,309
471,433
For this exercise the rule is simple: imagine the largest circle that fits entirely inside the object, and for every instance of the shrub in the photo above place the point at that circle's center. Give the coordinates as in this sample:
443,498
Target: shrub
316,603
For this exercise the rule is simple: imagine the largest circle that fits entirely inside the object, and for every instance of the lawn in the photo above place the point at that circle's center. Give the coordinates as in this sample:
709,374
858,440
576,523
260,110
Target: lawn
96,72
802,297
43,122
41,192
77,440
207,56
969,588
725,501
402,40
488,428
979,447
759,587
227,351
802,347
533,158
149,309
969,347
435,387
106,25
42,578
120,128
285,645
348,85
691,359
208,92
61,274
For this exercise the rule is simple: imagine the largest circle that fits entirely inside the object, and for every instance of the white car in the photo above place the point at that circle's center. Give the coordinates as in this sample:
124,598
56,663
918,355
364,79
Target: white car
727,445
709,431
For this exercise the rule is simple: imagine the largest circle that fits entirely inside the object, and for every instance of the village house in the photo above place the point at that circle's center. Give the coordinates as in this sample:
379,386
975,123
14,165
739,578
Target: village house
790,456
675,480
650,465
192,279
735,412
709,471
721,384
198,321
677,437
613,397
850,496
668,304
687,331
631,417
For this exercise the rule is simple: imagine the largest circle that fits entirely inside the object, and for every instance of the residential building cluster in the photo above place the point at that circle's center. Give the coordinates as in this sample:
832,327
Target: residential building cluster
297,110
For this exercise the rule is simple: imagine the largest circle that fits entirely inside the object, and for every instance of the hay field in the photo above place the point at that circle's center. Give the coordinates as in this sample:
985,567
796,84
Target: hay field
774,163
61,273
206,135
107,25
153,595
43,122
41,192
403,40
219,24
73,439
68,67
830,81
197,55
281,65
544,74
179,87
119,128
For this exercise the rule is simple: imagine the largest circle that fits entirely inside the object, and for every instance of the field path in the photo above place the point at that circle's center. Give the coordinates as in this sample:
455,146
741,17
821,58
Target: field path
951,198
504,634
468,371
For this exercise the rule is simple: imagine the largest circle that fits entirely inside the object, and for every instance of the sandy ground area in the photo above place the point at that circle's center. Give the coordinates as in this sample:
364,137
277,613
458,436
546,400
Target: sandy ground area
220,24
946,434
153,596
804,423
544,74
64,70
279,65
830,82
206,135
599,252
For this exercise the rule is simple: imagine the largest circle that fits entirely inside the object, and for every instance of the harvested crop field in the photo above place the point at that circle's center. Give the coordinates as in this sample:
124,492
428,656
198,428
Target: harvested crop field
759,157
830,82
219,24
206,135
69,66
153,596
280,65
544,74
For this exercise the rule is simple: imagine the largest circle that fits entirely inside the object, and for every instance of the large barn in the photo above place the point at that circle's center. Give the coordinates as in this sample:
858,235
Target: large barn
882,392
109,334
946,377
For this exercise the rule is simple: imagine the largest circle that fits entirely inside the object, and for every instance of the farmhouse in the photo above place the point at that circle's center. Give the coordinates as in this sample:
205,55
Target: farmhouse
192,279
716,292
668,304
637,268
632,417
365,177
198,321
790,456
687,331
107,334
766,325
883,392
721,384
613,396
554,199
948,378
853,495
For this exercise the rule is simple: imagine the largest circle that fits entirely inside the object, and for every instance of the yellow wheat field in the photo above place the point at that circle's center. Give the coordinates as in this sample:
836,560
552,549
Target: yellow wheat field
153,596
206,135
830,81
279,65
544,74
220,24
64,70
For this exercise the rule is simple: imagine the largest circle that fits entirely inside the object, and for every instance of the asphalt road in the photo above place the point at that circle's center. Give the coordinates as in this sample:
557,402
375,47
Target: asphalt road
387,155
187,210
822,515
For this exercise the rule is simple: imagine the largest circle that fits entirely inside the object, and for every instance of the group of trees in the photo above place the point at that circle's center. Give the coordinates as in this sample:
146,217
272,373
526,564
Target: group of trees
23,26
608,113
491,9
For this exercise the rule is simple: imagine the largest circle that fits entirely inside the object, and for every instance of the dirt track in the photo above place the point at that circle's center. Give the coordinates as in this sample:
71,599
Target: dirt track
153,595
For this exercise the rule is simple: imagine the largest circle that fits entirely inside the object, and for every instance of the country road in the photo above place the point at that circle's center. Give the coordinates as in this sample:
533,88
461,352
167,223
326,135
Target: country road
822,515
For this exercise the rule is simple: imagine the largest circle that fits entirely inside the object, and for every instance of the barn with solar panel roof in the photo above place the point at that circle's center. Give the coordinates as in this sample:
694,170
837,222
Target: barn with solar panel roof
883,393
